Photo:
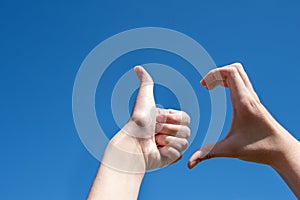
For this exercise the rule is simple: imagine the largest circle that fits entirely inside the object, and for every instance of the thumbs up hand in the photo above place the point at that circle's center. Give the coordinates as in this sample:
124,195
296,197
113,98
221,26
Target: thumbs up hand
152,138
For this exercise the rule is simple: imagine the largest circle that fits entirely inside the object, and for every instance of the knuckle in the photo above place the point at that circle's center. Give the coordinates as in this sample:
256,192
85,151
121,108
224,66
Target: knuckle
159,110
185,144
250,105
157,139
209,156
173,117
237,65
163,117
187,132
172,111
214,71
163,139
140,118
245,102
159,127
187,117
217,75
172,128
232,71
166,140
208,78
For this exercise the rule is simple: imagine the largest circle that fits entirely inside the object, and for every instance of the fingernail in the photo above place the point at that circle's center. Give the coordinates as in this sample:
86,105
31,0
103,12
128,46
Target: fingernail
191,165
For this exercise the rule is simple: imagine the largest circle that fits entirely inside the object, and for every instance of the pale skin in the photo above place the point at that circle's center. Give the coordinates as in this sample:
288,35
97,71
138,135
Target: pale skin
159,139
152,138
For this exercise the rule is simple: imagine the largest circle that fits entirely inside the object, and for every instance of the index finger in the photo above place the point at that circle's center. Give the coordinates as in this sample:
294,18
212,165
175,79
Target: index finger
231,77
171,116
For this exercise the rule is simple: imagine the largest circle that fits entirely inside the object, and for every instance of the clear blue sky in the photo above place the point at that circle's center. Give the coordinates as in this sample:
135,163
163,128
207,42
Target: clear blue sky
43,44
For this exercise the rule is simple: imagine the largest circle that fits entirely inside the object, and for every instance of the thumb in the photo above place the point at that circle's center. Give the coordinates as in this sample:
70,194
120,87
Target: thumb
144,108
146,82
142,121
206,152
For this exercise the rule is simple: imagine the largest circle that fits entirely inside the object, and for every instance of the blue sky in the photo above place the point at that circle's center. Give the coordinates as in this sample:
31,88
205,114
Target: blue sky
43,44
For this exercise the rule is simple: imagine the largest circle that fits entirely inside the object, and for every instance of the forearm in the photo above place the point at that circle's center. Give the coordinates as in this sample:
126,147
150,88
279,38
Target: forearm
121,170
111,184
288,163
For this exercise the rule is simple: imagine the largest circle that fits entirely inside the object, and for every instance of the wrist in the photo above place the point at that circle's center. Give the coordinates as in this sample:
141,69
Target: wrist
287,163
124,154
287,152
282,145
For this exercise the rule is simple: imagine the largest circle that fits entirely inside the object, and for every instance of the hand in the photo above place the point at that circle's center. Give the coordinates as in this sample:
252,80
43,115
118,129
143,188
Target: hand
254,135
152,138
